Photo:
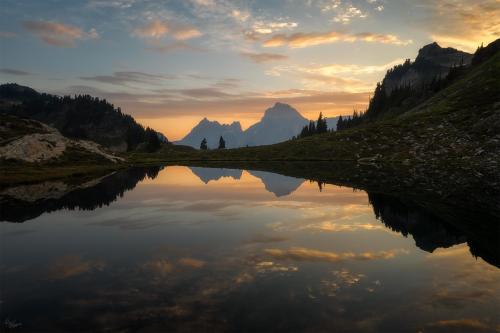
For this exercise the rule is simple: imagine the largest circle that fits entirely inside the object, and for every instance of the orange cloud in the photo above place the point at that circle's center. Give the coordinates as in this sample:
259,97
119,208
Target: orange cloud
183,33
300,40
305,254
58,34
191,262
157,29
154,29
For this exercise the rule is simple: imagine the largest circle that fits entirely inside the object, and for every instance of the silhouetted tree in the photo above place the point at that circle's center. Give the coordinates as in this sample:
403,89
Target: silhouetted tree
222,143
203,144
321,125
340,123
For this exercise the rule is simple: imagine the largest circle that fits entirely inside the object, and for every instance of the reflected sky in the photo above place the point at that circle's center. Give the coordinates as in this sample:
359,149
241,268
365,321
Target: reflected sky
222,250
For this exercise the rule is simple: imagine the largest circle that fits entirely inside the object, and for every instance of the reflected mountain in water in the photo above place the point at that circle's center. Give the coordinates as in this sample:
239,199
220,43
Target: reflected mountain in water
278,184
431,232
275,183
26,202
208,174
430,228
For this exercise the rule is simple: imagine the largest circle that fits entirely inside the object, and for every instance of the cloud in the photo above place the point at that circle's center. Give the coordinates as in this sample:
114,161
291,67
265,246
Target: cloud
10,71
263,57
462,24
264,239
124,78
154,29
239,15
121,4
330,5
186,32
191,262
263,27
204,3
347,14
300,40
58,34
157,29
69,266
201,93
172,47
228,83
305,254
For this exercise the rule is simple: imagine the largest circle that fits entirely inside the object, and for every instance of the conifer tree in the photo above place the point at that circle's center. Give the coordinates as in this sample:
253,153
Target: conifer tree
321,125
203,145
222,143
340,123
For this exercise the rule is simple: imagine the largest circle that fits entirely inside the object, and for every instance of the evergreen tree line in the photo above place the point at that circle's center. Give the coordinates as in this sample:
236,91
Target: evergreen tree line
314,127
400,98
82,117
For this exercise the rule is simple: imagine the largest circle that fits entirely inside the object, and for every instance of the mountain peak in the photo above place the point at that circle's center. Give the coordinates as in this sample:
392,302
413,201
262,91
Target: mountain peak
434,50
280,110
430,50
206,122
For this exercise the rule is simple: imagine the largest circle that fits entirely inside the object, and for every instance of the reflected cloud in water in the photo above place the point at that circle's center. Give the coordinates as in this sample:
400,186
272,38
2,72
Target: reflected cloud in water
195,249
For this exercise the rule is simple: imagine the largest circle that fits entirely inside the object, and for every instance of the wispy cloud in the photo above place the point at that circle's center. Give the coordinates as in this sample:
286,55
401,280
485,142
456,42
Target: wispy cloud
300,40
263,27
11,71
158,29
346,15
124,78
120,4
305,254
58,34
172,47
263,57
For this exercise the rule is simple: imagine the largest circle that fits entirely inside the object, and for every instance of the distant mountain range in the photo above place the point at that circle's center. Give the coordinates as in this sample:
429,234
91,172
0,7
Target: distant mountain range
279,123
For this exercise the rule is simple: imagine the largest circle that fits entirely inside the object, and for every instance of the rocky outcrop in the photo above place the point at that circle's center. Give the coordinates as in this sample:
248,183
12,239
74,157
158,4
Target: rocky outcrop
432,62
47,144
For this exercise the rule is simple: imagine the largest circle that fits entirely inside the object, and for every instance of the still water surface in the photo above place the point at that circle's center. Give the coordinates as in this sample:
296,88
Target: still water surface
197,249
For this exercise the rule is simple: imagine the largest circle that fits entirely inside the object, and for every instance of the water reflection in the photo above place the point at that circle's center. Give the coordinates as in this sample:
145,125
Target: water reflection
193,249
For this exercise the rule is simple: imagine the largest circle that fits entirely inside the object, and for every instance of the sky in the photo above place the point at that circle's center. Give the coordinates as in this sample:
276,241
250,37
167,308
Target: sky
170,63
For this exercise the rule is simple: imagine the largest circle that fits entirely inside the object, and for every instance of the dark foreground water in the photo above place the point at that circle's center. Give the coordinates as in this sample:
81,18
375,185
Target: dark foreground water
196,249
